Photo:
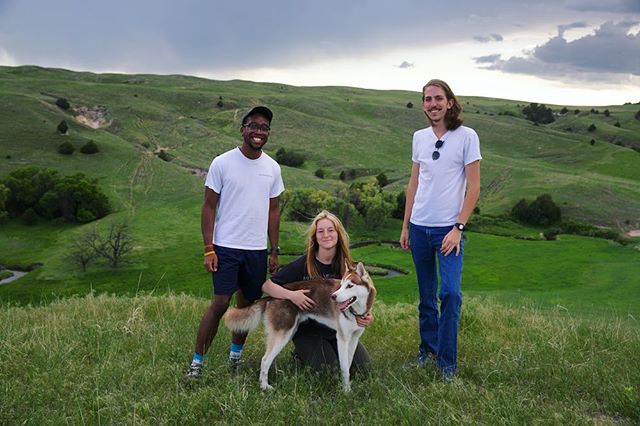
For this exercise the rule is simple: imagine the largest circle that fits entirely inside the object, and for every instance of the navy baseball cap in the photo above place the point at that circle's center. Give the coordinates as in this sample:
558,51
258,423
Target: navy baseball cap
262,110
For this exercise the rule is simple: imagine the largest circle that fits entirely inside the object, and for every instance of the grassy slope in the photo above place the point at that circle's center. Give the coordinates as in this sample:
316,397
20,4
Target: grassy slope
112,359
337,128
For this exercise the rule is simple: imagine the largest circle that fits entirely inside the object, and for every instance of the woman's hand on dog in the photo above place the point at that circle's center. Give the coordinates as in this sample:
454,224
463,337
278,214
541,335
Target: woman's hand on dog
365,320
301,300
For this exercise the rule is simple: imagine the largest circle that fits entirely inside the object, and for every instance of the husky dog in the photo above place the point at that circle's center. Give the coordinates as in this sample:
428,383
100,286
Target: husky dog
337,304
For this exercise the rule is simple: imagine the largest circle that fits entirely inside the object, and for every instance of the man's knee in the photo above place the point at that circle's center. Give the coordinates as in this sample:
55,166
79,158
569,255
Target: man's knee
220,303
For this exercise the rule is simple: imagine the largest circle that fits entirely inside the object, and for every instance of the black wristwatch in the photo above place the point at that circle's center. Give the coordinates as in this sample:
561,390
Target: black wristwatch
460,226
275,250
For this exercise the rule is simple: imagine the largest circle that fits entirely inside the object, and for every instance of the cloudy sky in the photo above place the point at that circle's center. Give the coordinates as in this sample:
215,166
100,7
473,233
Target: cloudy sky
568,52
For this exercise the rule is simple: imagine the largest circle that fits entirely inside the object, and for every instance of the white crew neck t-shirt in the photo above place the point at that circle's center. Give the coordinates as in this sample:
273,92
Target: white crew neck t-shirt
245,187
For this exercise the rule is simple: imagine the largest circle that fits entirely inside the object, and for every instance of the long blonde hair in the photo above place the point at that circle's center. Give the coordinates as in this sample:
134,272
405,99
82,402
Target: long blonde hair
342,248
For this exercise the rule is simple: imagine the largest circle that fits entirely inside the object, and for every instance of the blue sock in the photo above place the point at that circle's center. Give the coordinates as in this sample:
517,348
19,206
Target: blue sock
236,351
197,358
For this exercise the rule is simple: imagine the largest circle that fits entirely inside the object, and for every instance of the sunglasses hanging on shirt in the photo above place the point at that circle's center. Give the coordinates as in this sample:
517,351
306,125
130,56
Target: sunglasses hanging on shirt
436,154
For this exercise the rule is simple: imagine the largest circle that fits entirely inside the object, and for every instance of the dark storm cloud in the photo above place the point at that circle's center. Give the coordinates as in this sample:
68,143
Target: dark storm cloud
192,36
611,49
614,6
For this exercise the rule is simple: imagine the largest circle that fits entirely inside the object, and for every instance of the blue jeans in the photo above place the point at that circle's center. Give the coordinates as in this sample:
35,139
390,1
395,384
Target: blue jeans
438,329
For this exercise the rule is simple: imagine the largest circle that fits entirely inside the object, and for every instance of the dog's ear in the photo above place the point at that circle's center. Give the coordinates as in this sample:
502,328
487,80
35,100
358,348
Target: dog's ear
362,273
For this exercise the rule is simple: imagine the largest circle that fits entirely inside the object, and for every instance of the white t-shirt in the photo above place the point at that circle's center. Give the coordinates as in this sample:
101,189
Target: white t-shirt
245,187
442,182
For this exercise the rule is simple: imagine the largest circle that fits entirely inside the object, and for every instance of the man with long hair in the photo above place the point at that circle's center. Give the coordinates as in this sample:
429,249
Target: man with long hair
443,189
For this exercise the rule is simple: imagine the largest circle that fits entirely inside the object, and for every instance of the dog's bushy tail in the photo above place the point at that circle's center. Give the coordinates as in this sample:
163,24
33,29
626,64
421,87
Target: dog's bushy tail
245,319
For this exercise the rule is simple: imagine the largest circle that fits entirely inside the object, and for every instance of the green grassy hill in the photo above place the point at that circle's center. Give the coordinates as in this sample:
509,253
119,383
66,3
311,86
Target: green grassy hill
337,128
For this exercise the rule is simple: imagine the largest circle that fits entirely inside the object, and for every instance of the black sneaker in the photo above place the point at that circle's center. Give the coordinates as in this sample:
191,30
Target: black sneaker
194,372
235,363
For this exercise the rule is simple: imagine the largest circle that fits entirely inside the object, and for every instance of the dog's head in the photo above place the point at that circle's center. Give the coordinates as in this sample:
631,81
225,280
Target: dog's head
356,290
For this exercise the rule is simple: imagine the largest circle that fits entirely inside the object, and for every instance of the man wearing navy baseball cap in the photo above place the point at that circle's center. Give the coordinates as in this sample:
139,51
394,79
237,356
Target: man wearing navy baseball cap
240,212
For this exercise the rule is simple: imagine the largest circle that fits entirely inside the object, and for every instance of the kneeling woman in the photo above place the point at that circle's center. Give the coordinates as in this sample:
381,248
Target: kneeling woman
326,253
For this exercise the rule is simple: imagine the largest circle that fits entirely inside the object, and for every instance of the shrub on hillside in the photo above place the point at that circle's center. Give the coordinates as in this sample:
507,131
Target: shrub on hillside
319,173
89,148
374,206
564,110
576,111
29,217
348,174
617,124
63,103
289,158
540,212
398,212
164,155
409,104
607,113
587,230
592,128
538,113
4,195
63,128
637,116
592,141
66,148
382,180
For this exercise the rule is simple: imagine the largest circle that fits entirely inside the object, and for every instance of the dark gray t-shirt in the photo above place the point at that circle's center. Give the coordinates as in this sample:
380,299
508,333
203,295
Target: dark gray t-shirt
297,271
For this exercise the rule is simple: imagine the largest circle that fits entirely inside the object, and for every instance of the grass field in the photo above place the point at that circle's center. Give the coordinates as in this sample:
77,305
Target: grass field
105,359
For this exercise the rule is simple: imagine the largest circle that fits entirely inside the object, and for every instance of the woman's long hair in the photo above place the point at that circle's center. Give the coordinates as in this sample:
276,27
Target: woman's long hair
452,118
342,248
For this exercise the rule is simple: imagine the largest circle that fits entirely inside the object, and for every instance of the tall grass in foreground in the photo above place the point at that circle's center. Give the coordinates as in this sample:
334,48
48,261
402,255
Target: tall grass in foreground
113,359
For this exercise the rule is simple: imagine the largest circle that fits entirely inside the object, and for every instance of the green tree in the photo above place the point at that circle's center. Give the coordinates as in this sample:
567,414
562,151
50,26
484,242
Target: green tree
63,127
539,113
66,148
302,205
76,199
377,211
27,186
89,148
540,212
63,103
289,158
382,180
4,196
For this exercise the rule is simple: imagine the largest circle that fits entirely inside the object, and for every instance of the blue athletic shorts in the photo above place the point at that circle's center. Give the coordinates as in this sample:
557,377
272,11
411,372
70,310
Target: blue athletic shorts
240,269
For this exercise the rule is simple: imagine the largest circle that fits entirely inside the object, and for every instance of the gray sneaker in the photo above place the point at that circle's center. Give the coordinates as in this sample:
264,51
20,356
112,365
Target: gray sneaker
194,372
422,361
